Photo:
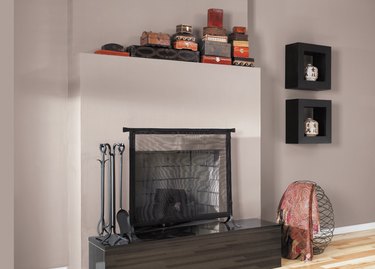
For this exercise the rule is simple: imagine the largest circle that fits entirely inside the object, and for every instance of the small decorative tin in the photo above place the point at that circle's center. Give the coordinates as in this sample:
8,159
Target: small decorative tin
311,72
184,28
311,127
239,29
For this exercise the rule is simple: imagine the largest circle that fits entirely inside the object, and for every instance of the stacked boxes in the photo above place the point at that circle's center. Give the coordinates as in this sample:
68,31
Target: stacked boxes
183,38
214,46
158,46
240,47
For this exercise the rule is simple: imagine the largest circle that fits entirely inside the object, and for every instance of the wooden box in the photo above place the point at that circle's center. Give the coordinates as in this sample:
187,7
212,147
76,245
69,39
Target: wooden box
183,37
240,52
217,38
164,53
240,43
239,29
212,48
215,17
112,52
214,31
155,39
237,36
184,28
216,60
249,62
189,45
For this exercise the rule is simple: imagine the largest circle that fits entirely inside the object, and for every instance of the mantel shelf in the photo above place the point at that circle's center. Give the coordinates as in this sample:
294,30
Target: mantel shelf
176,63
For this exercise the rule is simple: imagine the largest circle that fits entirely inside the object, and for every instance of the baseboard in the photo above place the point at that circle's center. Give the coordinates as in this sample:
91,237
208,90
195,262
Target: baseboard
354,228
64,267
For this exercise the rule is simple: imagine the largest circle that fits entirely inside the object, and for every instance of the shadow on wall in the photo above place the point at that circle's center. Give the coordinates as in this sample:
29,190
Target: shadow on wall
267,127
245,192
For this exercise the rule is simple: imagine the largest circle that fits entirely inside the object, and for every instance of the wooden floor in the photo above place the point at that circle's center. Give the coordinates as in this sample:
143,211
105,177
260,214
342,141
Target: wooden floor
347,251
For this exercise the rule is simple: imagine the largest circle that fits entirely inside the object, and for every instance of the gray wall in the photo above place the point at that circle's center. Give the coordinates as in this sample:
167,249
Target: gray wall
6,134
49,33
48,37
344,169
41,86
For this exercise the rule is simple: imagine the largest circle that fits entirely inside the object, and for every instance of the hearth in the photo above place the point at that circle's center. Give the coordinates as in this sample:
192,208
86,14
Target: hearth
178,176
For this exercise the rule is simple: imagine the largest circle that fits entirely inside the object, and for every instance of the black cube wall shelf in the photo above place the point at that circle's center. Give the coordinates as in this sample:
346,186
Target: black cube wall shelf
298,110
297,56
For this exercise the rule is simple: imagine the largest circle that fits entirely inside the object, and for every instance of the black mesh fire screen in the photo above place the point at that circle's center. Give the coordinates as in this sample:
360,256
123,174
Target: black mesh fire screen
179,175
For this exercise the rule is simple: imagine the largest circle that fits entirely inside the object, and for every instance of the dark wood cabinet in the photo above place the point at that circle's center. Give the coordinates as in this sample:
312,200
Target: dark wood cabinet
250,243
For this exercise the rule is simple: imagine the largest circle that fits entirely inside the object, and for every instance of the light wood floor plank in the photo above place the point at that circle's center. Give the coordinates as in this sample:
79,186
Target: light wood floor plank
348,251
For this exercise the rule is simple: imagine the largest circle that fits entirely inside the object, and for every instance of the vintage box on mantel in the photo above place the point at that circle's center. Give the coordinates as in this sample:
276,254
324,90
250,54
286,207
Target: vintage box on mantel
249,62
216,60
240,52
189,45
213,48
155,39
214,31
163,53
215,17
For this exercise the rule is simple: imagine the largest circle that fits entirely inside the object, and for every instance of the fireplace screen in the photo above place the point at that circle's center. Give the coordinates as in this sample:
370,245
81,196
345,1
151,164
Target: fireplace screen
179,175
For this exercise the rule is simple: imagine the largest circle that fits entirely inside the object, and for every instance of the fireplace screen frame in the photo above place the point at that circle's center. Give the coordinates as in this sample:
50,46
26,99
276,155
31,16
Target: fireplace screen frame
133,132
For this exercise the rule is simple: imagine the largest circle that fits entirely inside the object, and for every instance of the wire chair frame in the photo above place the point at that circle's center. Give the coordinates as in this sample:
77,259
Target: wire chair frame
326,218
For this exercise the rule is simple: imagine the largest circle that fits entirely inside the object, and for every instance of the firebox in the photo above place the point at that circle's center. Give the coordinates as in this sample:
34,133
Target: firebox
179,176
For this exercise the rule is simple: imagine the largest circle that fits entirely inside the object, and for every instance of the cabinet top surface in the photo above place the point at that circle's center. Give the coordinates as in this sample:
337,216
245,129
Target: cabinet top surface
194,229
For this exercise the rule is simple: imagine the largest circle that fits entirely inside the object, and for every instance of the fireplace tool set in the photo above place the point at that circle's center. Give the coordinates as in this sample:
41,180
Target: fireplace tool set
107,229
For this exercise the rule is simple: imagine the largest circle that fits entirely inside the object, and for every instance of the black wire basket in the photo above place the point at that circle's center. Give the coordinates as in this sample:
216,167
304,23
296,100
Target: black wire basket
327,223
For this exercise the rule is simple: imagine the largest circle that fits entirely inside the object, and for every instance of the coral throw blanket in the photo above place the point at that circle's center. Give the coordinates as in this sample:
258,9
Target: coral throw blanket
298,213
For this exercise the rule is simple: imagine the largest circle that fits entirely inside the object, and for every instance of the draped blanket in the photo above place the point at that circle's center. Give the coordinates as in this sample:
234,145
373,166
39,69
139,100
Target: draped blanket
298,213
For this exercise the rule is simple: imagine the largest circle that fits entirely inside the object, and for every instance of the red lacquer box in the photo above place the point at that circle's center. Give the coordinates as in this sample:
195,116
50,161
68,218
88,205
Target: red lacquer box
240,52
239,29
112,52
215,17
216,60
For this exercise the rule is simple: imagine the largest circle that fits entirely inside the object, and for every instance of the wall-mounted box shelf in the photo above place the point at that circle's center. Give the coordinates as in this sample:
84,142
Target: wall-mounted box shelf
298,110
297,56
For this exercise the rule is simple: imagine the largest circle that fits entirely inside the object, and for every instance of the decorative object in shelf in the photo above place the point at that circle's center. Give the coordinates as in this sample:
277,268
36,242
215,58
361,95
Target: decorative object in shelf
214,46
215,17
184,29
184,38
155,39
311,72
112,49
311,127
240,47
164,53
249,62
297,111
216,60
300,55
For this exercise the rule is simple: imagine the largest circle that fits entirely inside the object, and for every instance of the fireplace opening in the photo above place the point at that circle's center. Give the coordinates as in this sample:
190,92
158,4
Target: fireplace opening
178,176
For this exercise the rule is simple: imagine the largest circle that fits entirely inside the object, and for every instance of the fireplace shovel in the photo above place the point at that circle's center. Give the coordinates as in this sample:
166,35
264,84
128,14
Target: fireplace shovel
122,214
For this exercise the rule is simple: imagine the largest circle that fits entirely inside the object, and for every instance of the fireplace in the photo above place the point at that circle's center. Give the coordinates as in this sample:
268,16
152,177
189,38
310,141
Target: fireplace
179,176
